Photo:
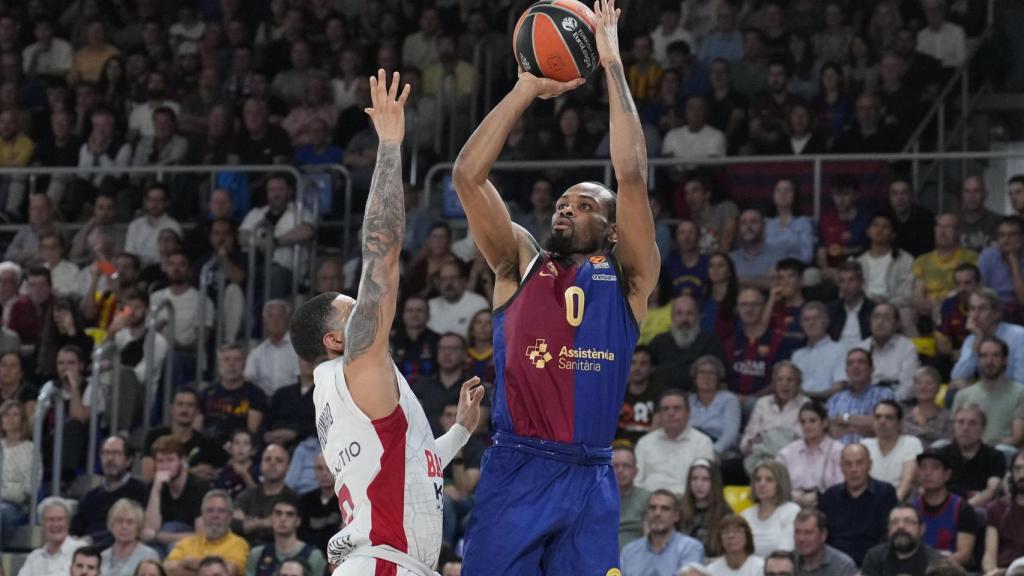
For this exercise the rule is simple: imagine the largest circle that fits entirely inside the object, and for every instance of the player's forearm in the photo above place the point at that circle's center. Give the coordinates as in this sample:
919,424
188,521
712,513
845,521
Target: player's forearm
484,145
449,444
628,147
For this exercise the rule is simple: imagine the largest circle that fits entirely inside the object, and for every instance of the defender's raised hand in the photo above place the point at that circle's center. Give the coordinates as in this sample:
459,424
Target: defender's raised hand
388,111
468,413
607,31
545,88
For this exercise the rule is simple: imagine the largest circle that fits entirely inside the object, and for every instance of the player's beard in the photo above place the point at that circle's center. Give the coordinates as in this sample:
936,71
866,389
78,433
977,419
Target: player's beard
685,336
560,242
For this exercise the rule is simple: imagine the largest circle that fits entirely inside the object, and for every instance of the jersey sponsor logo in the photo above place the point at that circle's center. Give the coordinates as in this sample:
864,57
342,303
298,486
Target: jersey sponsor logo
604,277
538,353
346,456
434,468
323,424
549,271
750,367
583,359
600,263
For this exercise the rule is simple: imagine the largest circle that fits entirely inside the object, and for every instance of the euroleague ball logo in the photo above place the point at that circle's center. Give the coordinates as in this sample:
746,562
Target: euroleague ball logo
569,24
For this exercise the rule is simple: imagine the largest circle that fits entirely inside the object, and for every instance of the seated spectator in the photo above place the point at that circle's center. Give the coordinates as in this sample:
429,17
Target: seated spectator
670,29
206,455
291,414
1004,522
842,230
772,515
941,39
413,344
80,397
58,549
775,420
850,315
91,519
89,59
786,229
769,110
637,416
695,139
185,301
912,224
273,365
258,142
717,221
703,504
253,508
822,361
674,353
632,499
858,509
1001,263
714,410
952,316
60,149
813,556
934,271
232,402
85,561
754,348
906,551
802,139
315,108
978,224
985,317
27,314
950,524
321,514
24,247
144,231
241,470
63,273
222,249
152,276
175,496
786,299
290,231
451,310
102,148
166,147
893,355
1015,190
128,332
643,74
142,120
664,110
813,461
1000,398
63,328
216,539
460,478
686,266
330,276
892,454
734,543
888,271
754,259
664,550
16,469
978,468
718,308
124,522
10,284
850,411
926,420
440,390
49,55
269,558
664,455
725,41
832,107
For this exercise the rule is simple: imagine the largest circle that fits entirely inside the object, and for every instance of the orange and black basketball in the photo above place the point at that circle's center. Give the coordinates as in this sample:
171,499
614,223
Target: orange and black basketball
555,39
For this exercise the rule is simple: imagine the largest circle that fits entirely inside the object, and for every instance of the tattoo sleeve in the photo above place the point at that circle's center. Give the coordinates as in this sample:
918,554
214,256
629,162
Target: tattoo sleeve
383,232
625,122
625,99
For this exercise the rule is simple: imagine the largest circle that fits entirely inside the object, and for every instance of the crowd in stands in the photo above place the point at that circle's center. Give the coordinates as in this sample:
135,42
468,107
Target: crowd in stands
862,372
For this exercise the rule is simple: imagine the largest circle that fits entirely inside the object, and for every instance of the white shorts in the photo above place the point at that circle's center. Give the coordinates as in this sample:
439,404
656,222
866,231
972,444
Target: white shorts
366,567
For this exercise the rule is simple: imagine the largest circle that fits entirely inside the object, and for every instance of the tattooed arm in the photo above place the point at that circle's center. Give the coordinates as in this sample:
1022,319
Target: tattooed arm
635,248
369,370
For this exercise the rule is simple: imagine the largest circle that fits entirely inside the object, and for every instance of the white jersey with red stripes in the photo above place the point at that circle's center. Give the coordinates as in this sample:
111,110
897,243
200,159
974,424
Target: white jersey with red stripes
387,474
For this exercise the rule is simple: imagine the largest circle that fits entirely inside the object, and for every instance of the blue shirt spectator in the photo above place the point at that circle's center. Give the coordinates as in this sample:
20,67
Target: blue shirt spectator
794,241
720,420
300,476
640,559
995,273
821,364
856,404
757,264
967,366
308,155
857,523
725,45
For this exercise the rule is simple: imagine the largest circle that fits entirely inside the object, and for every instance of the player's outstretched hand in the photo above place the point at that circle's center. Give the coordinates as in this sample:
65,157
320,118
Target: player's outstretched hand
546,88
388,108
607,30
470,396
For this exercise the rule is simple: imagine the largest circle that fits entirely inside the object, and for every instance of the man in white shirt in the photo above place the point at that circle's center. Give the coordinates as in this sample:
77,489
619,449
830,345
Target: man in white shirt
54,557
452,310
184,299
940,39
144,231
664,455
273,364
696,139
669,30
128,330
893,355
140,121
290,230
822,361
48,55
420,48
64,274
893,455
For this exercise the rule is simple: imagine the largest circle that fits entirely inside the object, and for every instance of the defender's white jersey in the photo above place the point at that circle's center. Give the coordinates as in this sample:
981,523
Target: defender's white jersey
387,474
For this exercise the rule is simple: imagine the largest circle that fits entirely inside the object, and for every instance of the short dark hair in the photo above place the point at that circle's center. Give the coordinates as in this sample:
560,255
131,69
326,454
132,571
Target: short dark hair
166,111
73,349
884,215
674,392
791,264
945,567
997,341
968,267
287,500
891,404
816,407
135,294
309,324
306,569
781,555
187,390
900,177
40,272
156,186
679,46
1013,221
88,552
845,181
819,517
1016,179
853,266
213,561
642,349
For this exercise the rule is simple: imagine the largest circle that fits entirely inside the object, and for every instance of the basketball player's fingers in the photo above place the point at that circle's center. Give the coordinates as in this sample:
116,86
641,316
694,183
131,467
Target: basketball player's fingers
469,384
382,86
478,394
404,95
393,89
373,91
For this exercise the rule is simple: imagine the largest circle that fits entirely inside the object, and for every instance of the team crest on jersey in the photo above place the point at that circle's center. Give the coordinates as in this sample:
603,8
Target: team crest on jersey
323,424
538,353
599,263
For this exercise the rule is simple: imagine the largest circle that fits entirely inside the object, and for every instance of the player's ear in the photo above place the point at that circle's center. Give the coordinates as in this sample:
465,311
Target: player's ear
334,341
613,234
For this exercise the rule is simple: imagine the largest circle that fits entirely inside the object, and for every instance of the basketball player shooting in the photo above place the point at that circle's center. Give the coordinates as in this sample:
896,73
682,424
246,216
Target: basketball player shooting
387,466
566,322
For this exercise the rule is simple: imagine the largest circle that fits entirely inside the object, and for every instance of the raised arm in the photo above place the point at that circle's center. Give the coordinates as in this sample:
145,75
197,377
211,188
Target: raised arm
369,370
635,249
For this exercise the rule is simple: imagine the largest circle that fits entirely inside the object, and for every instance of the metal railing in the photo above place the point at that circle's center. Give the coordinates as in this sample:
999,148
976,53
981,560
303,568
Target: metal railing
51,394
212,272
150,382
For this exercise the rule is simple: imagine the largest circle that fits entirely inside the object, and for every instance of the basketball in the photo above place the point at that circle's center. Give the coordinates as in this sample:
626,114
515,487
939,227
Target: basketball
555,39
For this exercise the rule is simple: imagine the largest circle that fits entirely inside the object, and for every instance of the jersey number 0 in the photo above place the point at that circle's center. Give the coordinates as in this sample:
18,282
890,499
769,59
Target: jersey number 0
574,302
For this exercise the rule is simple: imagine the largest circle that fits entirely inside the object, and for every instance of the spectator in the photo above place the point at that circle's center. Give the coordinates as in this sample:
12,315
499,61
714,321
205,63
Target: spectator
934,272
941,39
290,231
16,469
727,108
802,140
538,220
420,49
60,149
232,402
861,67
452,309
978,468
272,365
321,514
926,420
894,356
912,223
905,552
1000,398
124,522
199,101
24,247
216,539
725,41
88,60
142,120
102,217
668,31
92,519
813,556
348,79
413,344
774,26
10,283
213,144
268,558
842,231
850,316
686,267
128,332
950,524
786,230
850,411
832,43
460,478
330,276
85,562
696,139
703,504
253,509
750,73
714,410
152,276
735,542
770,109
892,454
786,299
869,135
978,225
664,455
632,498
717,222
29,312
103,281
49,55
1004,521
857,509
57,552
638,407
822,360
440,390
832,107
241,471
888,270
291,414
184,300
63,273
1001,263
985,318
674,352
290,84
165,146
772,515
16,148
813,461
754,259
144,231
258,142
718,310
315,112
775,420
754,348
175,496
664,551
